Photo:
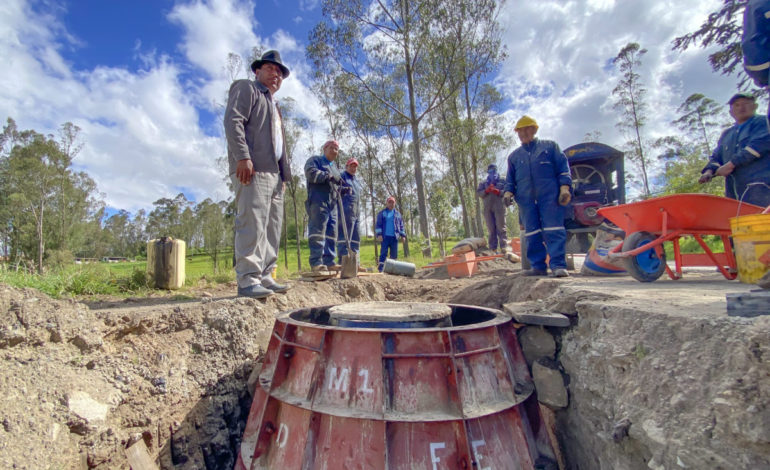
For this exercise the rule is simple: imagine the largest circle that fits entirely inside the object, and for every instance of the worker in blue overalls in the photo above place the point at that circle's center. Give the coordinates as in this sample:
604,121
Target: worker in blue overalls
539,180
742,154
351,197
323,179
756,43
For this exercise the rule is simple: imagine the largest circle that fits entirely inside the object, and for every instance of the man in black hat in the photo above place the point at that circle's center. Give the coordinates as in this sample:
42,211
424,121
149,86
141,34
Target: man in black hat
742,154
259,169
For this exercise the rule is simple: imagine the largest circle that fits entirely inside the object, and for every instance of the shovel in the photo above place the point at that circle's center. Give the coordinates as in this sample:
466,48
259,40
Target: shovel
349,262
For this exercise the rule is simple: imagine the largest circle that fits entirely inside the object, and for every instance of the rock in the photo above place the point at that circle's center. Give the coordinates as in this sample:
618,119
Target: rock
549,385
85,407
536,343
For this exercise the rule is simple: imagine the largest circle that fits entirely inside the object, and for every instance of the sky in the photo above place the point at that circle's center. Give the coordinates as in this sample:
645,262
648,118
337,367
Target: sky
145,80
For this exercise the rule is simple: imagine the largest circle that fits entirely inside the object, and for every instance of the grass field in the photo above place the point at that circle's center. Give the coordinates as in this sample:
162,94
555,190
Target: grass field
128,278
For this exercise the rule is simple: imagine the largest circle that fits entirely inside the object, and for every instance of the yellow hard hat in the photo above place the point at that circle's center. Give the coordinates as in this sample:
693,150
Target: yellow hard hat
525,121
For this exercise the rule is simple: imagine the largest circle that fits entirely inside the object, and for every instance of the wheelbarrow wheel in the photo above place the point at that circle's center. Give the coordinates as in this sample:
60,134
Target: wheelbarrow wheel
646,266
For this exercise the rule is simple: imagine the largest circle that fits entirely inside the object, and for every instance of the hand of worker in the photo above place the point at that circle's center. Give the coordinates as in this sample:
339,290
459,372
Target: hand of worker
335,179
403,239
346,190
706,176
564,195
725,169
508,198
489,189
379,238
244,170
495,191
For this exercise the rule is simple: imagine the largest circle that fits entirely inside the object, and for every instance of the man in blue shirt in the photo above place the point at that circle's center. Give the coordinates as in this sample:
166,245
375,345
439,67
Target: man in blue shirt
756,42
539,180
351,196
323,179
742,154
388,229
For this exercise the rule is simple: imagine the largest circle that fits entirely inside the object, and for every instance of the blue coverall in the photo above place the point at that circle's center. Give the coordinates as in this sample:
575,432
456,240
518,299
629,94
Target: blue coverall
747,145
390,226
494,210
351,196
535,172
756,42
321,207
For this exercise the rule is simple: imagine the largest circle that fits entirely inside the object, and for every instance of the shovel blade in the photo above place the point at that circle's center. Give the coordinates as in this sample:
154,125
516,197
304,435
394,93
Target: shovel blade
349,267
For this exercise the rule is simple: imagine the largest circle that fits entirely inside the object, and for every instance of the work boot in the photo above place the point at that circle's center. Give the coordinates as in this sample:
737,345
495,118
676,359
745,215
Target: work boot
274,286
320,269
256,291
560,272
333,267
535,272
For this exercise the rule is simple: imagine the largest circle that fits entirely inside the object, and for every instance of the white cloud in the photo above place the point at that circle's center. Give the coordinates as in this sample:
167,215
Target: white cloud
150,133
559,66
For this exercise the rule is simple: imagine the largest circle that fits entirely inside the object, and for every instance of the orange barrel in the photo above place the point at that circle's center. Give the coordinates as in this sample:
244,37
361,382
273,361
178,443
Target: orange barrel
394,392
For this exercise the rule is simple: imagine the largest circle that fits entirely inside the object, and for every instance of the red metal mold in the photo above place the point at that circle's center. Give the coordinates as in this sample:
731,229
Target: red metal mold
456,397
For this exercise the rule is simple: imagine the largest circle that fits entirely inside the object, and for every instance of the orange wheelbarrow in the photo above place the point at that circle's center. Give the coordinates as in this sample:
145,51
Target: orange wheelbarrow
648,224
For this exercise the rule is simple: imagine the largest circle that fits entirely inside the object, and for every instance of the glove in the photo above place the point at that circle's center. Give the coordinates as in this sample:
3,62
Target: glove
489,189
496,191
508,198
335,179
345,190
706,177
564,195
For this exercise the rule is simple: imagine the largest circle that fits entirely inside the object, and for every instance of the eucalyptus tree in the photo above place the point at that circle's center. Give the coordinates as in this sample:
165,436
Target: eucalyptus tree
406,44
294,127
34,168
630,103
700,117
721,33
210,219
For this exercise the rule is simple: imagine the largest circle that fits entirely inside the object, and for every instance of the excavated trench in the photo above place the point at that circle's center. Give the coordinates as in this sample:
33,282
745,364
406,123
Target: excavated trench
653,378
643,375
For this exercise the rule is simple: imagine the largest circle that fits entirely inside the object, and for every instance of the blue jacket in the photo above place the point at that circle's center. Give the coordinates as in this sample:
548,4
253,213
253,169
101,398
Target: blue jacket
351,195
748,147
379,227
535,172
756,40
491,200
317,173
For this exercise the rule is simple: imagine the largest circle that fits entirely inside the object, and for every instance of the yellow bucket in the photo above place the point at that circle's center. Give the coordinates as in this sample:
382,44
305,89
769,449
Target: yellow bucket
751,238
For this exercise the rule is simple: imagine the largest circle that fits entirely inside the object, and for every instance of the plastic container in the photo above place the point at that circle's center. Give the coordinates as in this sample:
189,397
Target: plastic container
751,239
165,262
399,268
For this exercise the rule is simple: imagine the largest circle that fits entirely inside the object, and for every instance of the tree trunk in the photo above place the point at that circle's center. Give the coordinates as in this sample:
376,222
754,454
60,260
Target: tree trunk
40,245
417,157
296,227
458,185
285,241
474,159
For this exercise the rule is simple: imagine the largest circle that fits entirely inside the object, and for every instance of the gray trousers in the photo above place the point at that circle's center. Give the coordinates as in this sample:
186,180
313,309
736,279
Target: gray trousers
494,215
258,223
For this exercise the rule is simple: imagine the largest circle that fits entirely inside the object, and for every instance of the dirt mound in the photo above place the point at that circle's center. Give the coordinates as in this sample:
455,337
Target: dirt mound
84,380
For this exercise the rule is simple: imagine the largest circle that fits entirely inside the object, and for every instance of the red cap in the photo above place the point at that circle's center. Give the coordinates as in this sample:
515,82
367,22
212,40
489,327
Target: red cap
330,142
391,198
351,161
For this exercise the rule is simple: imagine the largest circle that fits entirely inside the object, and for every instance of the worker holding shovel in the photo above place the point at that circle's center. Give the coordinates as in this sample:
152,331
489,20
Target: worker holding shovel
323,179
349,212
491,192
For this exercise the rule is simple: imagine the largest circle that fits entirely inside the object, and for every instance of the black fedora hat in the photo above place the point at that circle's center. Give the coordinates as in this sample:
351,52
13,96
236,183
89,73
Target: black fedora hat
270,56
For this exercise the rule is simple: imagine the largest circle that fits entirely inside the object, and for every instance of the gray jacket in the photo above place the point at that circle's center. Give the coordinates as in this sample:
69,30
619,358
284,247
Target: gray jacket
248,129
